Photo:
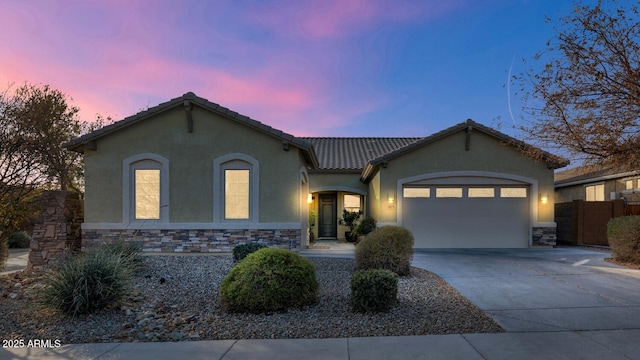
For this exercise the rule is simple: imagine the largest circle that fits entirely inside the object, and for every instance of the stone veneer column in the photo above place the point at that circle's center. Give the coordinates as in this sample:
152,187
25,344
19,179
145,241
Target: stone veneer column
57,228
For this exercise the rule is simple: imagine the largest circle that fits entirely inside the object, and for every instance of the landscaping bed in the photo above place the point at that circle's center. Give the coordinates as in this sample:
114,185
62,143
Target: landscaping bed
176,298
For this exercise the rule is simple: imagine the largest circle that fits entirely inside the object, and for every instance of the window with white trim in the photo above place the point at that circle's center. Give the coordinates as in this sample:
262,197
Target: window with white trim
145,188
351,202
628,184
235,193
594,192
147,194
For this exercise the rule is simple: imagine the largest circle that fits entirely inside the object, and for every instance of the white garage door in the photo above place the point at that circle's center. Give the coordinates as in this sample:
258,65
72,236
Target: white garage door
467,216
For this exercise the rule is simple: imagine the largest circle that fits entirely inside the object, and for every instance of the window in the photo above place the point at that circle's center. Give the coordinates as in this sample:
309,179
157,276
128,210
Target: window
416,192
236,194
147,194
449,192
515,192
145,188
482,192
628,184
352,202
235,188
594,192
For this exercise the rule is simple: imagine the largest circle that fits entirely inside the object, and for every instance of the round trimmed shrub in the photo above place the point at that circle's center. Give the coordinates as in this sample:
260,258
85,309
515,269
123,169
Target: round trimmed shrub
269,280
86,282
241,251
19,240
387,247
373,290
623,234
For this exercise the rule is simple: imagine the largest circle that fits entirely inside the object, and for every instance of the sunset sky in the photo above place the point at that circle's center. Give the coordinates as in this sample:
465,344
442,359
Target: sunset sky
309,68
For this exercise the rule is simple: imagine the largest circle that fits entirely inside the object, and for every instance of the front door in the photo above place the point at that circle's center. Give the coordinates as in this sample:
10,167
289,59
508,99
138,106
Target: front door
328,216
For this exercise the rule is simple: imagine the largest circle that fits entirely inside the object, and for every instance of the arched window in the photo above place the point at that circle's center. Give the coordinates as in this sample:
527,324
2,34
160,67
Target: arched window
145,189
235,188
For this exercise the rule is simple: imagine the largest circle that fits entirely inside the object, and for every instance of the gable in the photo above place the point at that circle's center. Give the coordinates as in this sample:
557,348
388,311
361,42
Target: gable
467,134
186,107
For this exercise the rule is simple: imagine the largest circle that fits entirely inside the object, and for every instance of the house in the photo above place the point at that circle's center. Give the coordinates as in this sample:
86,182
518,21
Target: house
597,183
190,175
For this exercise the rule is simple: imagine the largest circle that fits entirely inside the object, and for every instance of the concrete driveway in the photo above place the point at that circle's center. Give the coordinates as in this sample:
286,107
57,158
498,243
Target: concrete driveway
542,289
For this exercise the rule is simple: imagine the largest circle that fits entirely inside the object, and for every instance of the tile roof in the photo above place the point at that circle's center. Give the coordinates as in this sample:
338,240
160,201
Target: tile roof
350,153
587,174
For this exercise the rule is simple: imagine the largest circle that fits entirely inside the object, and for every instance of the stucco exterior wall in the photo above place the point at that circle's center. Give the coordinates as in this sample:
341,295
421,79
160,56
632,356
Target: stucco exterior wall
448,154
191,157
577,192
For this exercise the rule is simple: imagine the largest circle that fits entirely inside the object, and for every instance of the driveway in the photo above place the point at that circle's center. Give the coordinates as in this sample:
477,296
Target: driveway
541,289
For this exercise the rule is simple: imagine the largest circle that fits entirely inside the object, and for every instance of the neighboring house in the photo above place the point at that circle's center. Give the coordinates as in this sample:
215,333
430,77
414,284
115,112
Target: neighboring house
593,183
190,175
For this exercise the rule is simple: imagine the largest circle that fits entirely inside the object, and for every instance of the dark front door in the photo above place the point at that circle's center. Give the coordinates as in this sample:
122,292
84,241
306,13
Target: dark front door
328,216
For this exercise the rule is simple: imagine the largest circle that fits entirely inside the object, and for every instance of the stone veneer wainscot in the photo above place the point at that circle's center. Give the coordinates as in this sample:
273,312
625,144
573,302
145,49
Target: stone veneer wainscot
190,241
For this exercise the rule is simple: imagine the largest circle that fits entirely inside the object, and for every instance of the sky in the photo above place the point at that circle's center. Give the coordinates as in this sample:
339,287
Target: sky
309,68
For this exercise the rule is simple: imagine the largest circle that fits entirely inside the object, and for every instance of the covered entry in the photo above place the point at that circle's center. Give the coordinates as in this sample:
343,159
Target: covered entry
467,213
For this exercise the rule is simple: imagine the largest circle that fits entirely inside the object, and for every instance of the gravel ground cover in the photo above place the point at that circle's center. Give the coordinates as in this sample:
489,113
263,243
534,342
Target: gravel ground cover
176,298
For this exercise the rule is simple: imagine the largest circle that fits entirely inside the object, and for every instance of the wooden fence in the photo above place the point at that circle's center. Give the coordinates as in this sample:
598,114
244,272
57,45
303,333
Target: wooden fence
585,222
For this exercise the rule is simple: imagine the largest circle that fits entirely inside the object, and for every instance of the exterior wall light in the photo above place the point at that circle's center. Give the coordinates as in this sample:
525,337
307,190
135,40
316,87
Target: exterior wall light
544,198
310,198
390,198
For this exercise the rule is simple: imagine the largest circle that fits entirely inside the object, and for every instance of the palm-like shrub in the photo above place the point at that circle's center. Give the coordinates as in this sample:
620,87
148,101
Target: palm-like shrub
84,283
387,247
269,280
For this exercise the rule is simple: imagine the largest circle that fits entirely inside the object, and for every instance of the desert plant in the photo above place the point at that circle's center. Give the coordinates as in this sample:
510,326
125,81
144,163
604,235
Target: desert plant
241,251
19,240
130,253
387,247
269,280
623,234
373,290
86,282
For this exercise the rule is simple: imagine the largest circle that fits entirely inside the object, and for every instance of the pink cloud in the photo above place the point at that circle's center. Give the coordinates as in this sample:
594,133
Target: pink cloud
329,19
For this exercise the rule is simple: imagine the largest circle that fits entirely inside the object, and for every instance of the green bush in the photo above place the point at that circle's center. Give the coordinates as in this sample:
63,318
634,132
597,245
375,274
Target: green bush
623,234
387,247
241,251
373,290
130,253
19,240
269,280
86,282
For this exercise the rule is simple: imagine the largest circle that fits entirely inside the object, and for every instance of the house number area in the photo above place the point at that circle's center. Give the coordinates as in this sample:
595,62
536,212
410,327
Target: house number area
33,343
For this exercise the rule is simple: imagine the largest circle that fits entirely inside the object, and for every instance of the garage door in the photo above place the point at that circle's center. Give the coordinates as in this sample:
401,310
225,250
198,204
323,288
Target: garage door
467,216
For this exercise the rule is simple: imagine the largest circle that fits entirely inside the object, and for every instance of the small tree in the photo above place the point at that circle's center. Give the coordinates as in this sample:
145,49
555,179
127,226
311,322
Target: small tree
349,218
585,99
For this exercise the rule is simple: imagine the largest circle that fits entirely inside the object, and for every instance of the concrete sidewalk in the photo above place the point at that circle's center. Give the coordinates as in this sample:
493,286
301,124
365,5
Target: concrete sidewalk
17,261
612,344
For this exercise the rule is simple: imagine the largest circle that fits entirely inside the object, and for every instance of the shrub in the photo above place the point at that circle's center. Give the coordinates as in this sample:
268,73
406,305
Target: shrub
241,251
269,280
86,282
387,247
623,234
19,240
367,225
373,290
4,251
129,253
